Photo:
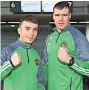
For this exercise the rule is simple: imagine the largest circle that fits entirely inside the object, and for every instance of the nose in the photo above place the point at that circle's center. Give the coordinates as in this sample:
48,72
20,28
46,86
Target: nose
60,17
31,32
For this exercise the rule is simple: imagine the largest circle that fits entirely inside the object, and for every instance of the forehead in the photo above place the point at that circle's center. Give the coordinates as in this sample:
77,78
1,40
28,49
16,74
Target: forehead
59,10
29,24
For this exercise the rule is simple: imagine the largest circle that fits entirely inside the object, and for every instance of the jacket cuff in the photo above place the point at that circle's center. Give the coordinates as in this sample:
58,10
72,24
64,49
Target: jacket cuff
11,63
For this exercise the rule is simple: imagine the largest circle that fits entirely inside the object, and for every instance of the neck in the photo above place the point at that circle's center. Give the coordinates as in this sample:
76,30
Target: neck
59,30
23,41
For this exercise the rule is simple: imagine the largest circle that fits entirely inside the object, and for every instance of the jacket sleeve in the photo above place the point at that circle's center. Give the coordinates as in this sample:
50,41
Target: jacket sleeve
6,66
81,67
81,64
40,77
42,72
45,65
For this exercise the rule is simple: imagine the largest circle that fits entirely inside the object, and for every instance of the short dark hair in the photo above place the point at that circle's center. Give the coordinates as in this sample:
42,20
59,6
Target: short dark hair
61,5
28,18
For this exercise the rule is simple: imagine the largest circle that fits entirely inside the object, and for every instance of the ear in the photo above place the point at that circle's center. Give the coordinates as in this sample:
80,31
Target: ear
70,15
53,17
19,31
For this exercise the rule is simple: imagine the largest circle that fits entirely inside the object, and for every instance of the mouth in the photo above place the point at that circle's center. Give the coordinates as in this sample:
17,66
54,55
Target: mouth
30,38
61,24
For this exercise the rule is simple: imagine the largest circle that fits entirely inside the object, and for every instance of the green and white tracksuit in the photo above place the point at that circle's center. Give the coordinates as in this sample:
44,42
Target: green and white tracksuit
59,75
24,76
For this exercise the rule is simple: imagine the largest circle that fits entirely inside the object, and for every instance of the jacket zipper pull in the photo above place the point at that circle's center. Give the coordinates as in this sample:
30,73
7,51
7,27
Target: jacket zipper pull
27,55
57,37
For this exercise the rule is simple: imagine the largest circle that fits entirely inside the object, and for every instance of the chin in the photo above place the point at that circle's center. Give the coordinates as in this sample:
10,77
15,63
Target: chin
28,42
60,28
31,42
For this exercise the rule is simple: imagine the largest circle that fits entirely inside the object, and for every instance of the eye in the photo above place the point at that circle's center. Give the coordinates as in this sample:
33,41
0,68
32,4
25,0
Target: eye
57,15
65,14
35,29
27,29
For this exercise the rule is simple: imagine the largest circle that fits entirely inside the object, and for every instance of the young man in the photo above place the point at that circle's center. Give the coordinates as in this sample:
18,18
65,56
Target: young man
19,61
66,56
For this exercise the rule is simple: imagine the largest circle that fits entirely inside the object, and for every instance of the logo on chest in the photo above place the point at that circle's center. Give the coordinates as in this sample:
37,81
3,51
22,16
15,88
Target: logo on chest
64,44
36,61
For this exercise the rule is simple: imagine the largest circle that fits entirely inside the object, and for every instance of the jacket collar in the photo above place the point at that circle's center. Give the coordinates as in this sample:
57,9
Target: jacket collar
23,44
65,29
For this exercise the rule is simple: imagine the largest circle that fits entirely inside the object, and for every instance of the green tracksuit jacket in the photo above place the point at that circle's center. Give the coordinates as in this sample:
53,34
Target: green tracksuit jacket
24,76
59,75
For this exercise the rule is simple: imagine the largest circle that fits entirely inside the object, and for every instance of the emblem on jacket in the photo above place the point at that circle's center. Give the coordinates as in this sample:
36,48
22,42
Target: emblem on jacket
64,44
36,61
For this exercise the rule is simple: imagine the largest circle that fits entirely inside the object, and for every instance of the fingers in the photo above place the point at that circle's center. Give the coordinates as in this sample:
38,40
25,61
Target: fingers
63,55
62,49
16,58
19,56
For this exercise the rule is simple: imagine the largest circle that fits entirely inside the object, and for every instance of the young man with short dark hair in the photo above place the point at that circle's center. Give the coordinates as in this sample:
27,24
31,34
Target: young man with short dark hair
20,61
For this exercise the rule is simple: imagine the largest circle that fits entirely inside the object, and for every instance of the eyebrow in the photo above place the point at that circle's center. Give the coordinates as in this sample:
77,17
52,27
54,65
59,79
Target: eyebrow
30,27
27,27
60,14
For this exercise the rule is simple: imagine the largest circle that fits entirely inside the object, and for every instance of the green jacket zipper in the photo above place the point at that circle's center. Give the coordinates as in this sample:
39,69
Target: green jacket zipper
27,55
